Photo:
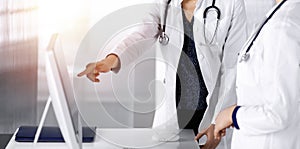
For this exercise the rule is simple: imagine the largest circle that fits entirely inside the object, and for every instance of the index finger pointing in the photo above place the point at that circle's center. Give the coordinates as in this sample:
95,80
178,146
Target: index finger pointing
82,73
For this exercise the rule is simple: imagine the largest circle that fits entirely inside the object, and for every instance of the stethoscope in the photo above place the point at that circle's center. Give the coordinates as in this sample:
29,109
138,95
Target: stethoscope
246,55
164,38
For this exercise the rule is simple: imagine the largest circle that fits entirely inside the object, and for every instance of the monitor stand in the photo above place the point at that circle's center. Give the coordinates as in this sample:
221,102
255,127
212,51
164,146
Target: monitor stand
39,129
42,121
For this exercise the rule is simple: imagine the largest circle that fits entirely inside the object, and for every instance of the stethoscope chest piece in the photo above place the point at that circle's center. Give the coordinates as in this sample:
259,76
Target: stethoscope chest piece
163,39
245,57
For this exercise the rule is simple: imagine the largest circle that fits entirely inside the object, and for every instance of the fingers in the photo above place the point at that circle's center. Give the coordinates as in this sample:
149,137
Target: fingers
102,67
219,133
211,143
216,133
199,135
223,132
93,77
91,72
96,71
89,68
210,139
204,147
85,72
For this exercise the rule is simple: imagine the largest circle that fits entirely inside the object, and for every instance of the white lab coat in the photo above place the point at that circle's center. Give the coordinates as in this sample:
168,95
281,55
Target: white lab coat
217,63
268,85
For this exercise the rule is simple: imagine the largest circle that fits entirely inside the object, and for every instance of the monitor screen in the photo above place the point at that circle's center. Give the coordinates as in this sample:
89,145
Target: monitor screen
66,82
58,65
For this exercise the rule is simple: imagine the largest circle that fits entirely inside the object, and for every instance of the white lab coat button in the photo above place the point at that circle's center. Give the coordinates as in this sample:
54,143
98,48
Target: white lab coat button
164,81
201,56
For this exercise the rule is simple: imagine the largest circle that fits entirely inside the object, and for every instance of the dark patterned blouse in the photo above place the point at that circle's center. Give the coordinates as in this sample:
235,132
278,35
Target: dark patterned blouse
191,91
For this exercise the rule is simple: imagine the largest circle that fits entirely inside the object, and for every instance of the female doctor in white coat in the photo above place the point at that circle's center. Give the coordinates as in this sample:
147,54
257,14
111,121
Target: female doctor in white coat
268,85
217,63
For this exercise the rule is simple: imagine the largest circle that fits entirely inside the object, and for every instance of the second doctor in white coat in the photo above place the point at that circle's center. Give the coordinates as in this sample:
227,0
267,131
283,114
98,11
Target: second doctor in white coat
217,63
268,86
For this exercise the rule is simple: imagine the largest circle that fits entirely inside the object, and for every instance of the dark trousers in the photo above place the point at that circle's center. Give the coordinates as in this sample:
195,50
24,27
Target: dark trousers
190,119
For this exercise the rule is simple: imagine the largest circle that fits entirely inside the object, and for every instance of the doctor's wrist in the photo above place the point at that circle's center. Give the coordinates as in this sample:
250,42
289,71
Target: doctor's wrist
113,61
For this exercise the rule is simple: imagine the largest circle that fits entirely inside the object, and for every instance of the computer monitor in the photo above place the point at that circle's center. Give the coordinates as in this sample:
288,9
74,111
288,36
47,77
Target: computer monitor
62,94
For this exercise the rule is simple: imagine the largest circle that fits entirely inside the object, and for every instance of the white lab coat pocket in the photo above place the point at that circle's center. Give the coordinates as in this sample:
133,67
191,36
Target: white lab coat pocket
251,69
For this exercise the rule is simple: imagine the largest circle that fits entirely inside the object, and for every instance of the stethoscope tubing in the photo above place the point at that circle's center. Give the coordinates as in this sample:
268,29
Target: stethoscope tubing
165,16
163,37
245,56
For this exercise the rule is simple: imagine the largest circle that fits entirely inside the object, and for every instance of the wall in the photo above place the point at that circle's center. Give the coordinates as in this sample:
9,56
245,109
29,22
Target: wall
18,64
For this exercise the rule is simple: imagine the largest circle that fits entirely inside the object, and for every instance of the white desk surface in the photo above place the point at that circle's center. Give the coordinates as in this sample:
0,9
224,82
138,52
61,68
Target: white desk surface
130,138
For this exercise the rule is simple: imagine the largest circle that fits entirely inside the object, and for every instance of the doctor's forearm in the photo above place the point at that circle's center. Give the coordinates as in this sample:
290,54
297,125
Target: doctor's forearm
260,119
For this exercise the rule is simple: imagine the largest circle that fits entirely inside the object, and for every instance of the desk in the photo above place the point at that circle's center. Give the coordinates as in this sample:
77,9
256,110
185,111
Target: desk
118,139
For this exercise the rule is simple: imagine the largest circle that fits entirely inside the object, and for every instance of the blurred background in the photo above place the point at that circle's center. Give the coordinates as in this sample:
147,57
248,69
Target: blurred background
25,29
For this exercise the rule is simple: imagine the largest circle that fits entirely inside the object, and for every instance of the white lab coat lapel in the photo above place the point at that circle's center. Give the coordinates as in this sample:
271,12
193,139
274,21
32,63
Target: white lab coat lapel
208,61
166,114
